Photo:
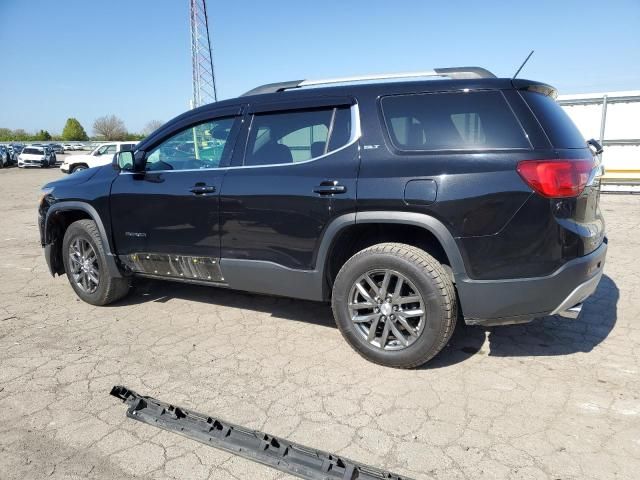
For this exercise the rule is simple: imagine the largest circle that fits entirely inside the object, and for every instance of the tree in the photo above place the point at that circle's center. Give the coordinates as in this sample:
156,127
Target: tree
42,135
151,127
110,127
73,130
21,135
6,135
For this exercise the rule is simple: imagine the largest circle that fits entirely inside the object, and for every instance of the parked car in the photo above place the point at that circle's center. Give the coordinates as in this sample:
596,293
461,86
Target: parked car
56,147
405,204
15,149
34,156
101,155
5,156
51,154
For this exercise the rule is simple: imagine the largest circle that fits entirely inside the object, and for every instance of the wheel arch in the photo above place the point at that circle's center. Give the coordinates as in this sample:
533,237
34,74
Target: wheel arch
437,240
58,218
74,166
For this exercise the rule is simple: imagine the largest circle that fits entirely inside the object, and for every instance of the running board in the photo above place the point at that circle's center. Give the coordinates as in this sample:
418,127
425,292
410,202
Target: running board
275,452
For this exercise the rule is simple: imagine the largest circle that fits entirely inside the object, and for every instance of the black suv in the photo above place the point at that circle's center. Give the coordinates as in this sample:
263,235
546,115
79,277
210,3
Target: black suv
407,204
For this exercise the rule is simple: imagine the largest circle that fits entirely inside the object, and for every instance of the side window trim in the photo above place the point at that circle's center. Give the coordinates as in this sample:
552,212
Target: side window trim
387,134
229,146
354,136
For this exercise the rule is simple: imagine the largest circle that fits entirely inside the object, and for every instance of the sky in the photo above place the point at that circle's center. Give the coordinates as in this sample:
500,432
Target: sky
131,58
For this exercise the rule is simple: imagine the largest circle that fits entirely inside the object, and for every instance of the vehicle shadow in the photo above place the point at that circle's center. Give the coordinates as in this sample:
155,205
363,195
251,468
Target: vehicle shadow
147,290
549,336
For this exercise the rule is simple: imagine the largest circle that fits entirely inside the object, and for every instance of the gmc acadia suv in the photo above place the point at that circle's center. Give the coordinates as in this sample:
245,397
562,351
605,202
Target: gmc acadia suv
406,204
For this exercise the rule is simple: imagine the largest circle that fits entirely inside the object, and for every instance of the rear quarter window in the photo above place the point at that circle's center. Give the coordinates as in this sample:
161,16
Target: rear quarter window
452,121
560,129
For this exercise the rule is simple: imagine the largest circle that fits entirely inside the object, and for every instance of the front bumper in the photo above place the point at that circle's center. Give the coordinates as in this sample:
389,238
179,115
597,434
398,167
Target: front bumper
501,302
32,163
64,168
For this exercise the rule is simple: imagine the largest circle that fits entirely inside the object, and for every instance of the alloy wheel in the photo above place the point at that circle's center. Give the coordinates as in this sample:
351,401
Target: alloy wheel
387,309
84,265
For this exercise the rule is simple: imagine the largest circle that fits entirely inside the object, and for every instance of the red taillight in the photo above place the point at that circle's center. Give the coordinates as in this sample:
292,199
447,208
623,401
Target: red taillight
556,178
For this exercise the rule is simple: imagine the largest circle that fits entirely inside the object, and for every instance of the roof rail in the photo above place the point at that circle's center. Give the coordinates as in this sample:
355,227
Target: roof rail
454,73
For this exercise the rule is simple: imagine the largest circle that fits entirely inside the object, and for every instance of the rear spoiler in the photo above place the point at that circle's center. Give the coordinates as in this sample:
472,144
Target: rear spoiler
532,86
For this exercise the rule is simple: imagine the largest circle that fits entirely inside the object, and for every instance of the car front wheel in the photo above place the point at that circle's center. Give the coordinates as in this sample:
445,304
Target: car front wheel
86,265
395,305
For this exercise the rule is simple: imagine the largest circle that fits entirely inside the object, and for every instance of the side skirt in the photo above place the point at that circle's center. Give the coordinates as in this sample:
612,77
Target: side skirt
260,447
175,267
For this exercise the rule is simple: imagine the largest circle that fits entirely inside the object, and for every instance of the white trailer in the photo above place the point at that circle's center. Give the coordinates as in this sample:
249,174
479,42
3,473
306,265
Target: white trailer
613,119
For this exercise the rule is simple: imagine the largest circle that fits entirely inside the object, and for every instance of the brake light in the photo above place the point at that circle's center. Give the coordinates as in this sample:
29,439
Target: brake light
556,178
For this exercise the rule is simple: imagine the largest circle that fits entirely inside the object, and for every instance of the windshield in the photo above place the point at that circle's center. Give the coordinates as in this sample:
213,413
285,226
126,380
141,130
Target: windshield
32,151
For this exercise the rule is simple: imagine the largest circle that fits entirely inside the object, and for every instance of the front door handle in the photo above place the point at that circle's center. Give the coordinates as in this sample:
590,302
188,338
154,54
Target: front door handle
201,189
330,187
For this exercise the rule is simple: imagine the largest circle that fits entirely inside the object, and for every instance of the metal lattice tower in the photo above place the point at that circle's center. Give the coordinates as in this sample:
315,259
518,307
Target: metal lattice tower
204,80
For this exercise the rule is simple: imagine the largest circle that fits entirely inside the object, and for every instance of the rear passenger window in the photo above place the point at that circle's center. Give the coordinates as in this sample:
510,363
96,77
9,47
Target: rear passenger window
297,136
561,131
452,121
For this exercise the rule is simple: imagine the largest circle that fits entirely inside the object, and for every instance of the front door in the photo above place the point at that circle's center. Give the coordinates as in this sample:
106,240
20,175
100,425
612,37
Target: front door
165,219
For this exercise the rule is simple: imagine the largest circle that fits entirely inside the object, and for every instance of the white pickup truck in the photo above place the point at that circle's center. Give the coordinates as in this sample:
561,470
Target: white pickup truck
101,155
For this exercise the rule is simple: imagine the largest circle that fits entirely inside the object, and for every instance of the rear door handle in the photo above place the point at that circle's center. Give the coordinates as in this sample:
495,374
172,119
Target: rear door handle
330,187
201,189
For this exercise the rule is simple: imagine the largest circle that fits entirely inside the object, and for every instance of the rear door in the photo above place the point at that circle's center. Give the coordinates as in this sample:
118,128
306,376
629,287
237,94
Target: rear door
165,220
297,172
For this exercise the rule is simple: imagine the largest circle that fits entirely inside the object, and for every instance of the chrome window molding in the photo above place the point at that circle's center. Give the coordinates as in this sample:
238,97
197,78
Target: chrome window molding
356,134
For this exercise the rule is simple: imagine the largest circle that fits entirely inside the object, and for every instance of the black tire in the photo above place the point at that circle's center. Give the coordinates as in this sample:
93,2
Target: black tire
109,289
432,284
78,168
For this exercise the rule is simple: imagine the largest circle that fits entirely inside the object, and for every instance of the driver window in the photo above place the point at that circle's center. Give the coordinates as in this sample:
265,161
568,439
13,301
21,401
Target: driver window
106,149
199,147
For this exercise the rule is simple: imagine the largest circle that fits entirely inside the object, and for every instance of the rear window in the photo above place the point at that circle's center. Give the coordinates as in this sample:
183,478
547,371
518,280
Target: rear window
452,121
560,129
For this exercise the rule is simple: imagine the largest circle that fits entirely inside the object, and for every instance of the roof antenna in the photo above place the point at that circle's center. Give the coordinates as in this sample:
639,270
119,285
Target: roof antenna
523,64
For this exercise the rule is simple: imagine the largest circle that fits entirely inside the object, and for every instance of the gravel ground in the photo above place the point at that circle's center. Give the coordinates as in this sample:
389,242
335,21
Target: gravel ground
552,399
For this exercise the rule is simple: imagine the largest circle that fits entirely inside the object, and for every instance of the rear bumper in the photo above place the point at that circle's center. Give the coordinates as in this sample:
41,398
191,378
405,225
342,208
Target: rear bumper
497,302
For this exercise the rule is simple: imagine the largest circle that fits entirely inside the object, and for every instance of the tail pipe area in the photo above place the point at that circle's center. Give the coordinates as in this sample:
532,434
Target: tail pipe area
572,313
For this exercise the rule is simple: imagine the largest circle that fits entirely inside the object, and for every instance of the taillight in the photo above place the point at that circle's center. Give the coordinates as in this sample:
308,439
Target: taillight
556,178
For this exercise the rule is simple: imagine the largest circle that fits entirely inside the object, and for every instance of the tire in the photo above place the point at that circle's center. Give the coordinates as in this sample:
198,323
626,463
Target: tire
108,289
426,287
78,168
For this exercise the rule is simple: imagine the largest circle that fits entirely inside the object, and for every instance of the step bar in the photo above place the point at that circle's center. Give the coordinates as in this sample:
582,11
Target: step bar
260,447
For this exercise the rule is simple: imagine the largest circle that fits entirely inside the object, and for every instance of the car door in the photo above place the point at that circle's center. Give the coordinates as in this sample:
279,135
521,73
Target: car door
296,172
165,219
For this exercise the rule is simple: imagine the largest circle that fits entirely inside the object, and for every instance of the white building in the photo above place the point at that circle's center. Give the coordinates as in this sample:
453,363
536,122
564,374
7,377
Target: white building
613,119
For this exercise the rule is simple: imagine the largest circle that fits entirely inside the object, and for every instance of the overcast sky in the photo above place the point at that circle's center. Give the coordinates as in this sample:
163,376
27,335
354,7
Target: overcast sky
131,58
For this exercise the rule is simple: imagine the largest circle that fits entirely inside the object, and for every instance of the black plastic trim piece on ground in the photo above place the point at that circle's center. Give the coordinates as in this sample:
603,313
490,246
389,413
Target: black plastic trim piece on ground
260,447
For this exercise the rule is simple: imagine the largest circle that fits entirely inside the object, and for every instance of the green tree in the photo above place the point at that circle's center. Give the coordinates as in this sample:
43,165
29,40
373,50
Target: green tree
6,135
73,130
42,135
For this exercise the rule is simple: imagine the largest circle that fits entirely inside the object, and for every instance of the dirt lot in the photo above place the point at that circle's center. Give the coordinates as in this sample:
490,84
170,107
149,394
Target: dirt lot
553,399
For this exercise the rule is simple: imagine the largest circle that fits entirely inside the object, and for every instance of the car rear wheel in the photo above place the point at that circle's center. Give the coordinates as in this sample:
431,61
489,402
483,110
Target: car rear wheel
395,305
86,265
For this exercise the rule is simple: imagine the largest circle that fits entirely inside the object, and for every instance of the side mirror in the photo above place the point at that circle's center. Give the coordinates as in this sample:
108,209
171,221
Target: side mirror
124,160
129,160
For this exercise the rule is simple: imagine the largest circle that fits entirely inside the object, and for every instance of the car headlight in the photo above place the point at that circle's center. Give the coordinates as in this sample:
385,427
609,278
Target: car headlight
43,194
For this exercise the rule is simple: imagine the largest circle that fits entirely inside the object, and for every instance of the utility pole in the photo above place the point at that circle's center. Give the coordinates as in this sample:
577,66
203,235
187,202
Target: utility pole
204,80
